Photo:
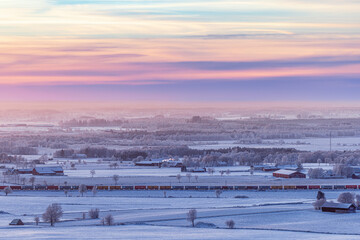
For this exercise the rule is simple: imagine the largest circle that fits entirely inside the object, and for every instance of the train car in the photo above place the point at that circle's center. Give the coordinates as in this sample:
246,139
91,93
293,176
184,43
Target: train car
301,187
39,187
276,187
202,188
351,186
190,187
127,188
74,187
102,187
27,187
215,187
115,187
64,187
314,186
289,187
54,188
165,187
177,187
2,187
326,187
227,187
251,187
140,187
89,187
239,187
264,188
153,187
339,187
15,187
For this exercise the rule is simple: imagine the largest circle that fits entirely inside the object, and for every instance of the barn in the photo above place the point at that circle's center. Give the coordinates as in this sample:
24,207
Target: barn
16,222
48,171
338,207
283,173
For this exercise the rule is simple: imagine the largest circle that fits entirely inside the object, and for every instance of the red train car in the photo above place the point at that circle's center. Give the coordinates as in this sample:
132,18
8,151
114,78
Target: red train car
52,188
351,186
140,187
314,186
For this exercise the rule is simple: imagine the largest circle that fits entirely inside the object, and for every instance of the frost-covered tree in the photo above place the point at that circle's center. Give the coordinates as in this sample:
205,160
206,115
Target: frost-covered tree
316,173
188,175
52,214
115,179
178,177
94,213
32,181
191,216
230,224
218,192
357,200
196,178
94,191
7,190
318,203
346,197
92,172
109,220
37,220
82,189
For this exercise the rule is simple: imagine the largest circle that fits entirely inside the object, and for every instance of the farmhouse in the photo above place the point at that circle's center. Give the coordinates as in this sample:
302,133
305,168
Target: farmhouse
16,222
48,171
288,174
338,207
150,163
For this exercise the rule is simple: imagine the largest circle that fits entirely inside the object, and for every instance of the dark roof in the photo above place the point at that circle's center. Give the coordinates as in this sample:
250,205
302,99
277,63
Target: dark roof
16,222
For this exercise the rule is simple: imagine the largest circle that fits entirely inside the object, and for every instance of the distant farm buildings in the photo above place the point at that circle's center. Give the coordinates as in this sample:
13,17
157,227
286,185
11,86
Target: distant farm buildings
338,207
48,171
170,162
288,174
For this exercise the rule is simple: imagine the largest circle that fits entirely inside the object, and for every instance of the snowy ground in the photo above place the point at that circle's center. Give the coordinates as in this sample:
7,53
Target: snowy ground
148,215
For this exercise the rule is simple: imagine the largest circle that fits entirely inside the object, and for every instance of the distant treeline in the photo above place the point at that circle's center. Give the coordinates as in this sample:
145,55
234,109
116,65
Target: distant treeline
90,123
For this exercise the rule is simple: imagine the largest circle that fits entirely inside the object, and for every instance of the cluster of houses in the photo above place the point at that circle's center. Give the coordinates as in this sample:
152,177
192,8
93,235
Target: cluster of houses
41,171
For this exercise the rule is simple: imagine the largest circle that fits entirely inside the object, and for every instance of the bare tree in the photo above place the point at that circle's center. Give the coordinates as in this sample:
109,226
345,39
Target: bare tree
92,172
191,216
178,177
211,171
7,190
116,178
188,175
346,197
102,221
66,192
82,189
37,220
109,220
32,181
94,191
228,172
52,214
23,180
94,213
218,192
196,178
230,224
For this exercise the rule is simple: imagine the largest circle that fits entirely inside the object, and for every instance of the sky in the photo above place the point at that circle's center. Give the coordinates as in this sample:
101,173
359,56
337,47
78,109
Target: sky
180,51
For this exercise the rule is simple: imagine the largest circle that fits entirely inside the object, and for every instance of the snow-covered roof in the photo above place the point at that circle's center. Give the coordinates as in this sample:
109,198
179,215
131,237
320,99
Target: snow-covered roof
284,171
337,205
49,169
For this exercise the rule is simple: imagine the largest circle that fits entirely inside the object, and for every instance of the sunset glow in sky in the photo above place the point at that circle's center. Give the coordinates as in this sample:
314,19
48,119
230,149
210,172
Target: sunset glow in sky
180,50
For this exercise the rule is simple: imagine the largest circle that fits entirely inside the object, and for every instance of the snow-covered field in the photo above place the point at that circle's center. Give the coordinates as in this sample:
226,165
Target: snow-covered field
148,215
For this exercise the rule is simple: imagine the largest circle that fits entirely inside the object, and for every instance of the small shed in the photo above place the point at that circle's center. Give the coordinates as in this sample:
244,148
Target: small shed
16,222
288,174
338,207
